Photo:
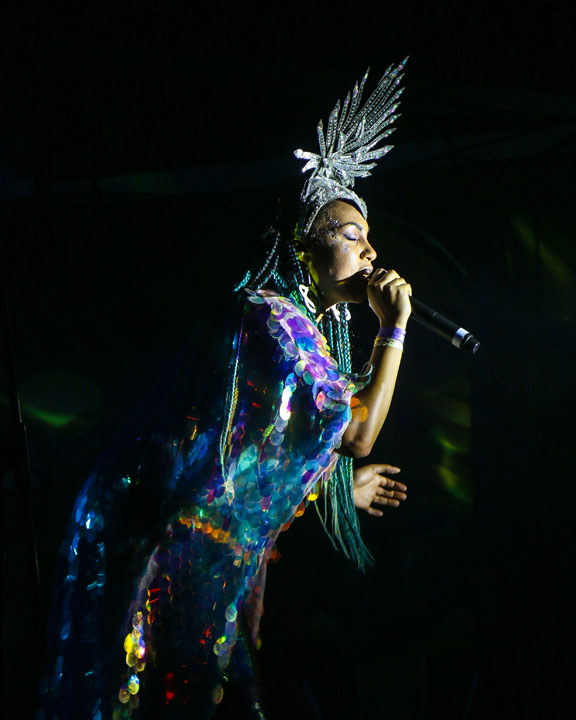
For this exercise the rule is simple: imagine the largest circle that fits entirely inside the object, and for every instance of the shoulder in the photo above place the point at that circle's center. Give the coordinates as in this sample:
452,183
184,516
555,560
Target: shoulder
272,300
301,342
301,349
285,312
286,322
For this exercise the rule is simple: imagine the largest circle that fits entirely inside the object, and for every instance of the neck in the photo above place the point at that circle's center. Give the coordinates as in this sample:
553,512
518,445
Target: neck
322,302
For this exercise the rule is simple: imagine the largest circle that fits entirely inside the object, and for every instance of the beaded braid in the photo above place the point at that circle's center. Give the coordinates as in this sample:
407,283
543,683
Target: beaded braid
345,525
283,271
230,401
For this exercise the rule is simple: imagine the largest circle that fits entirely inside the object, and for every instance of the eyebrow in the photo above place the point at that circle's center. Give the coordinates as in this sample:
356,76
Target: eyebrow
355,225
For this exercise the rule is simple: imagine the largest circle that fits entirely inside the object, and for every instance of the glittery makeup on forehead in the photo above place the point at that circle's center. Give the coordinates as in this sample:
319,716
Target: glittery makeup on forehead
329,233
334,224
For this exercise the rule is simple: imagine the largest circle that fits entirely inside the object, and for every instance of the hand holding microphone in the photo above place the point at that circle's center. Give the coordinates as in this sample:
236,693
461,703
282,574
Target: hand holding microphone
390,297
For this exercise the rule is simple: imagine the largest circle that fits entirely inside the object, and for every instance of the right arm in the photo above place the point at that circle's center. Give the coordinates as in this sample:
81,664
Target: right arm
389,298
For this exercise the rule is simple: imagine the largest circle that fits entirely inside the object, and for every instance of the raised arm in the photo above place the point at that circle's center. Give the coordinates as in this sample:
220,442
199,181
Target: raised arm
389,298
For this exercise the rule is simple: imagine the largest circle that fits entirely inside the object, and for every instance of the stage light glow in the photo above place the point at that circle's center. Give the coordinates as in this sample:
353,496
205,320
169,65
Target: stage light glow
458,486
57,399
448,407
557,267
448,446
56,420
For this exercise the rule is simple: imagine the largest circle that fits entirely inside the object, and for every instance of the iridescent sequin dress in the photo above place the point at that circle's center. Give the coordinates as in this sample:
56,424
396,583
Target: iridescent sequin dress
236,488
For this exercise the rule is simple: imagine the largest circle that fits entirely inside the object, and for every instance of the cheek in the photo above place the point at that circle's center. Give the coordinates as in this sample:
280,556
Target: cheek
335,260
333,242
342,262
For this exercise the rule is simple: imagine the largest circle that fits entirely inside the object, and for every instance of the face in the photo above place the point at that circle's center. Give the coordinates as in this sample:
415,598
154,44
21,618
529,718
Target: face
339,255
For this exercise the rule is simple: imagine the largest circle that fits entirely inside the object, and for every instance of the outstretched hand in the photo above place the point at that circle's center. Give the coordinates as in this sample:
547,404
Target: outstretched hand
372,487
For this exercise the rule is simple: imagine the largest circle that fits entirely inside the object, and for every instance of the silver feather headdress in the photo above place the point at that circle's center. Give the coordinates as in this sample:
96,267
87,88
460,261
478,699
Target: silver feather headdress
348,149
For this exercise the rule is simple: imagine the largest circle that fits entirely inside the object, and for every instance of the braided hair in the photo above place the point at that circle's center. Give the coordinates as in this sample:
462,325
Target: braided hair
282,271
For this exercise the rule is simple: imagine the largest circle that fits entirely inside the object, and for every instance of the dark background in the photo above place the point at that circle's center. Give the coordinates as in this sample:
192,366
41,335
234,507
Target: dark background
143,148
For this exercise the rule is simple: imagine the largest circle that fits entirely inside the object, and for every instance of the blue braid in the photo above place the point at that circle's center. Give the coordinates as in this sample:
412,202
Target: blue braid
345,524
231,398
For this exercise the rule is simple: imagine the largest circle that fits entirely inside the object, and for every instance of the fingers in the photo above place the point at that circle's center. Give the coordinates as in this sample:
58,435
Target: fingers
396,492
386,482
384,468
400,283
397,284
390,502
386,277
388,498
381,276
389,495
389,296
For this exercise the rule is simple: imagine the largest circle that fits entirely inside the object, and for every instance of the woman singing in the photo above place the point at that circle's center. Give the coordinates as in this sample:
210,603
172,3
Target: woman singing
280,432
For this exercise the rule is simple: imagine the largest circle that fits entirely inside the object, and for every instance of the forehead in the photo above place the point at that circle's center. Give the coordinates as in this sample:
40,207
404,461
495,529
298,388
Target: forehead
344,213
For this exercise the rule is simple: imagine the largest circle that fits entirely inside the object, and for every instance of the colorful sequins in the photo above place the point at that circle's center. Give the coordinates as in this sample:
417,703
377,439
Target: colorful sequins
291,407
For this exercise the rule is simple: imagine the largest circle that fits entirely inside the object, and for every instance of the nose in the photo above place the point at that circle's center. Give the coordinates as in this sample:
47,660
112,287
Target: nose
368,252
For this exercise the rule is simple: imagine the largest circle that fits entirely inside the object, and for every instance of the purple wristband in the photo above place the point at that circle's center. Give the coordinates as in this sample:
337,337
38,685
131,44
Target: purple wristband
392,332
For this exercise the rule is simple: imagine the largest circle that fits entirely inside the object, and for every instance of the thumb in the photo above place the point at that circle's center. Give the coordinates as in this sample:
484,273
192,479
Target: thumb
384,468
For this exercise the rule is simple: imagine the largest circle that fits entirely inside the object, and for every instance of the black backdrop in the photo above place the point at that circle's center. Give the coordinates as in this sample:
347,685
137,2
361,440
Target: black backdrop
142,154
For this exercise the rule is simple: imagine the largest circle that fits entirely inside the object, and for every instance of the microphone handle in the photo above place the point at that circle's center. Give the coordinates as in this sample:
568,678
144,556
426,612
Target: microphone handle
429,318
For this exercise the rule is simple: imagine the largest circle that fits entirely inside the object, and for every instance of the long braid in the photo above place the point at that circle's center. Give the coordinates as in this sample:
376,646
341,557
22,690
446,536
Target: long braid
260,277
230,400
345,524
283,271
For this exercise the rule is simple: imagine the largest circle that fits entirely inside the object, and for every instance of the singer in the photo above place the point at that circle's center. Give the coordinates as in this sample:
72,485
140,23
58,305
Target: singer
280,432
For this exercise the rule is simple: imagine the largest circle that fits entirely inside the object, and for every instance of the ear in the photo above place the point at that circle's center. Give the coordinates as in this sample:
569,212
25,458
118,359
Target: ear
305,257
301,251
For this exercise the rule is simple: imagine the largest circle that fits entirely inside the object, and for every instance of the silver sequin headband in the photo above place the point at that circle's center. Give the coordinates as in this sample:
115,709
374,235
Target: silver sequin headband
347,149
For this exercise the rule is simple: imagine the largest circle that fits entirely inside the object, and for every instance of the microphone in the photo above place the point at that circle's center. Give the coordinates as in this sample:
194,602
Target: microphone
429,318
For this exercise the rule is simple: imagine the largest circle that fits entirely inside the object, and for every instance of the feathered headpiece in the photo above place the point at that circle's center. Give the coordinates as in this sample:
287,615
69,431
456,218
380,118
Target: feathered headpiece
348,149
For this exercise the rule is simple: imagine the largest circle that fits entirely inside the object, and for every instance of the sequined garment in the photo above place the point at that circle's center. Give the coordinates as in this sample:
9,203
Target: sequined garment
291,406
